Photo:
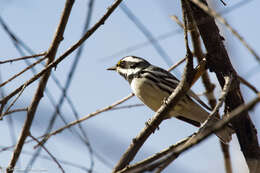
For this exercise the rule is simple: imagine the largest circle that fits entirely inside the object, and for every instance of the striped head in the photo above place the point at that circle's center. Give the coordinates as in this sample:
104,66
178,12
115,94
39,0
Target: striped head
129,66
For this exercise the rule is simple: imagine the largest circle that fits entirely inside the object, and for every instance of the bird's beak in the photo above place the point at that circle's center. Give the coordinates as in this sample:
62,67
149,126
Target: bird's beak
112,68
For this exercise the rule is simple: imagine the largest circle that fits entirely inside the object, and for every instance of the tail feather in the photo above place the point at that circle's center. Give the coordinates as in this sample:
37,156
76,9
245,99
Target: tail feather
196,113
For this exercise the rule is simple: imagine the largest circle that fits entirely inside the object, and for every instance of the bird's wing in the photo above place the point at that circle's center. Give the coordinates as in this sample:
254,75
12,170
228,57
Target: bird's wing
168,77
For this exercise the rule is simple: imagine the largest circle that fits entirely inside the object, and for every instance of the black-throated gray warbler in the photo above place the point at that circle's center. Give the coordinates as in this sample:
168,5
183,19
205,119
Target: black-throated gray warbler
153,84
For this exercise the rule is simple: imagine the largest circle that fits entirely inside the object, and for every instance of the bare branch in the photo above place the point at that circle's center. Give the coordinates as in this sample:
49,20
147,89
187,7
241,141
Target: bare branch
177,64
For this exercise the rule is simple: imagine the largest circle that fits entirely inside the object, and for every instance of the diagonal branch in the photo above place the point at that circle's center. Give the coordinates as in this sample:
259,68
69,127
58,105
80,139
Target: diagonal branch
42,84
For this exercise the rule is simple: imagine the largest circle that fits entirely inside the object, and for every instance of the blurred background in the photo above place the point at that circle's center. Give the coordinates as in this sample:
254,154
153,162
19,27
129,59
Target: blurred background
140,28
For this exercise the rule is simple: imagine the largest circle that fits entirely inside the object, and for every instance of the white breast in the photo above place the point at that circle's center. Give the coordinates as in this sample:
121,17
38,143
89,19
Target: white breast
149,94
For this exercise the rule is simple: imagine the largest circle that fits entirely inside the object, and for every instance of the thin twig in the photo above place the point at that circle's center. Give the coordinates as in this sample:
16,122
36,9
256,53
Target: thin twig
22,58
48,152
177,64
176,19
127,106
14,111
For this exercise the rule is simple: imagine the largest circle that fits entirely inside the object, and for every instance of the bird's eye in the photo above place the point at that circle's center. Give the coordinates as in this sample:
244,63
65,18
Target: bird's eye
121,64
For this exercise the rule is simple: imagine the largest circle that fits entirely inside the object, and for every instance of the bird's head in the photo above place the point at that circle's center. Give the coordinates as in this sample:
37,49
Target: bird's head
130,66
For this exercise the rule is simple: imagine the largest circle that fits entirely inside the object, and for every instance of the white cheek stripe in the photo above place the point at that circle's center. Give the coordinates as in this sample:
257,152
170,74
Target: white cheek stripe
121,70
127,71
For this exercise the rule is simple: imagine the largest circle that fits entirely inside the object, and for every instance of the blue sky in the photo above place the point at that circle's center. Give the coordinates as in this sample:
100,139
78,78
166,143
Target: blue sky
93,87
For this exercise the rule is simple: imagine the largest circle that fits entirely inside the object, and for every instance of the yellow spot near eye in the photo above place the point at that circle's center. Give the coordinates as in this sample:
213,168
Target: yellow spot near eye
119,62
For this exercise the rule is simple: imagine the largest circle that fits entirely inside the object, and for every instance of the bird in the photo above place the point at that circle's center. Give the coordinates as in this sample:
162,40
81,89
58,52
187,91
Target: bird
152,85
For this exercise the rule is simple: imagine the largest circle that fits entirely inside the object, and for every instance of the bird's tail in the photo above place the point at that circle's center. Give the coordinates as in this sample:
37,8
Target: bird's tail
187,109
196,113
